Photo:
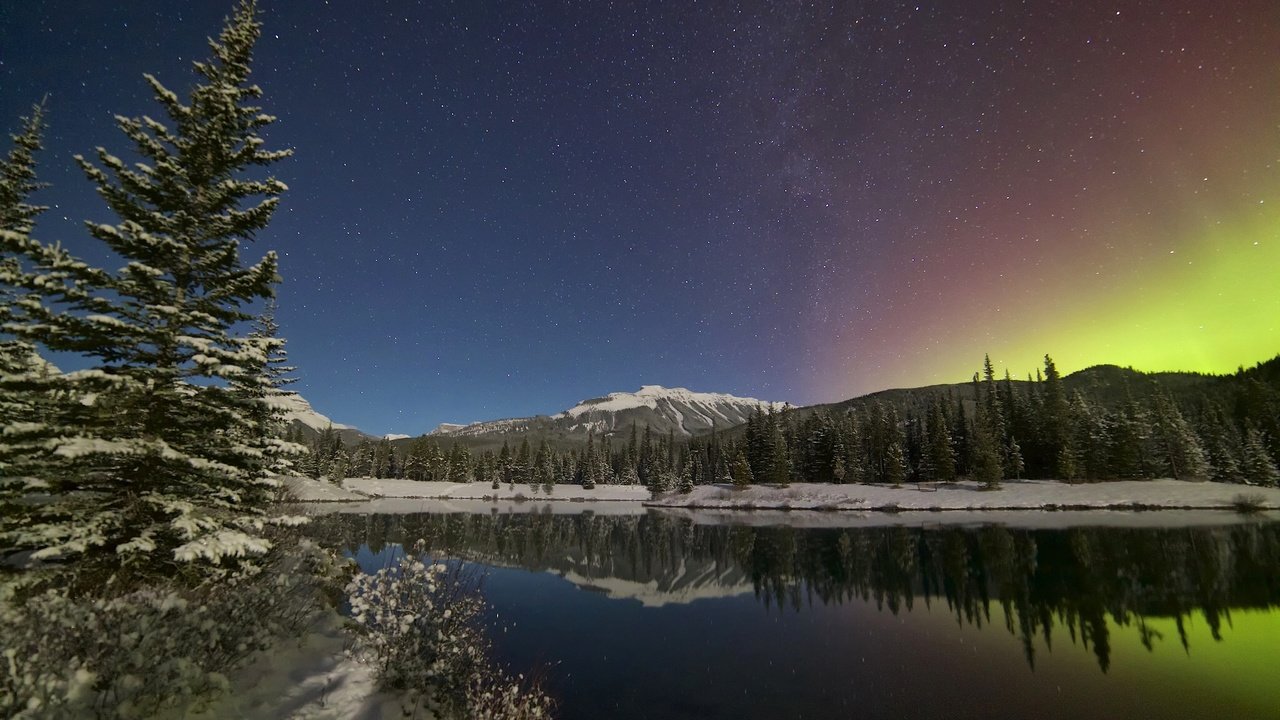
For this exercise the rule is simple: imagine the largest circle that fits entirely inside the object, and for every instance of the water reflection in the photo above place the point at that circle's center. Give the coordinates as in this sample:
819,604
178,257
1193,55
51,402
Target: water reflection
1078,582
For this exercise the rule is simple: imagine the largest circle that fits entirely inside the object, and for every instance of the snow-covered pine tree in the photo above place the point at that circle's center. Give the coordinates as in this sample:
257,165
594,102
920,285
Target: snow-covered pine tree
265,397
741,471
155,466
1178,451
31,390
942,456
18,175
1258,468
688,475
590,472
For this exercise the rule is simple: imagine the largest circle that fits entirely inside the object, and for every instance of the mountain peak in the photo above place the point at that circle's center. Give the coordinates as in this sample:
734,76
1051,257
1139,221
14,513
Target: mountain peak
662,409
680,409
296,408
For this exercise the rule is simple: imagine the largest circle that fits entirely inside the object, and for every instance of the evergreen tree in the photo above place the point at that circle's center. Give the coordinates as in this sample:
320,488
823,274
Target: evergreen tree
1259,468
1055,419
985,465
1177,448
895,461
416,460
741,471
18,176
590,473
459,464
522,468
1222,444
942,458
161,469
1128,442
506,466
264,395
33,393
777,459
688,475
1014,464
855,462
543,472
960,438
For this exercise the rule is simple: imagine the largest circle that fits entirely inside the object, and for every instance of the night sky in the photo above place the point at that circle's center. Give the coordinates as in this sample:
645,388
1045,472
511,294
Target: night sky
499,209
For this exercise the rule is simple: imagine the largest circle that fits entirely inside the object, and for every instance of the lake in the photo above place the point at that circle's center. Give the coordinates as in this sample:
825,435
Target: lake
675,615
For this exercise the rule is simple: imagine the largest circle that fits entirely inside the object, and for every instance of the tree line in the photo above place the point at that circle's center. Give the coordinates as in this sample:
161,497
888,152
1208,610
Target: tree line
997,429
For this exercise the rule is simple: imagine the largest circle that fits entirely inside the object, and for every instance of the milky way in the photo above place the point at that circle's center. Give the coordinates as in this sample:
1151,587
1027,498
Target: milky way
500,209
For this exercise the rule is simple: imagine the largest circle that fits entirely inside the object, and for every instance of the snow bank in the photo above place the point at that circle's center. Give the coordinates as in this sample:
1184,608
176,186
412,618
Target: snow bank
311,678
304,489
409,506
1013,495
1015,519
485,491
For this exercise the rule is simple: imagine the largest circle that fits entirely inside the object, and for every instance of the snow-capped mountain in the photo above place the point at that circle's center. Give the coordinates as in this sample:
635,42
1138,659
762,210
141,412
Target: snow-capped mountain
678,410
297,409
299,414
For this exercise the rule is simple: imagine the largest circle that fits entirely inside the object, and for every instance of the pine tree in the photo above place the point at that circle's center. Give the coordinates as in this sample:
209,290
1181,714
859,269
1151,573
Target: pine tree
264,394
688,475
32,392
1055,418
741,471
895,461
589,471
1222,445
18,176
505,473
543,472
160,470
855,461
1177,448
1259,468
985,465
459,464
777,459
942,457
1014,464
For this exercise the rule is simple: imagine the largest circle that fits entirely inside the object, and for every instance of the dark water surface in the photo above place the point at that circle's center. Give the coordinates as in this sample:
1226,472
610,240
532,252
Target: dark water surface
656,616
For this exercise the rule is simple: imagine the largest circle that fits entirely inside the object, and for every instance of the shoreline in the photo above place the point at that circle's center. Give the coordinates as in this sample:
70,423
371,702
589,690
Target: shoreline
1013,495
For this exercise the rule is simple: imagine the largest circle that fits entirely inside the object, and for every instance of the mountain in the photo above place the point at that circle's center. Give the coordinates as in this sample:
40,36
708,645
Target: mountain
299,414
678,410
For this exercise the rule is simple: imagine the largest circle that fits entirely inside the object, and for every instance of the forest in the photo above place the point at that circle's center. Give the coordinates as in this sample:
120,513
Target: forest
1221,428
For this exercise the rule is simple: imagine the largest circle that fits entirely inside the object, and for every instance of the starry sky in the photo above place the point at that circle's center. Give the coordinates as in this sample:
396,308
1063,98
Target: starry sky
501,208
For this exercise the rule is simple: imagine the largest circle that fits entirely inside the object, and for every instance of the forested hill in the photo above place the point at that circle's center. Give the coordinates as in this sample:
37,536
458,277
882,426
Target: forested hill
1109,386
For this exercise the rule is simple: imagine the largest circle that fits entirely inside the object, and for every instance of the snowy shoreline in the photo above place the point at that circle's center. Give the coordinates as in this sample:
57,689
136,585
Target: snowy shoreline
1042,495
1050,495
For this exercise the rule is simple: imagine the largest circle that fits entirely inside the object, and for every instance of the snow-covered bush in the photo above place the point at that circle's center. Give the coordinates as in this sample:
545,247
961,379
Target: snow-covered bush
422,632
158,648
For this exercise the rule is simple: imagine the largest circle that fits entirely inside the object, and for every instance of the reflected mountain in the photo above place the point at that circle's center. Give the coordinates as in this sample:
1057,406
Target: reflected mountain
1047,583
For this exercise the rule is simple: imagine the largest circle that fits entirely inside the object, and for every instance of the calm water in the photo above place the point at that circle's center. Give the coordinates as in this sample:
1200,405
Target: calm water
654,616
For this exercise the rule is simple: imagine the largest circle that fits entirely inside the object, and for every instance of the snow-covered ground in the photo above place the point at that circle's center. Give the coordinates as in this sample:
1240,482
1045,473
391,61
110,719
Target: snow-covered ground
540,506
310,678
400,496
1018,519
1013,495
304,489
483,491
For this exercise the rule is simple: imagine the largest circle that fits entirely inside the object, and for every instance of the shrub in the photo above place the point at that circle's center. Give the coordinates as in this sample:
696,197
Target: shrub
161,648
1249,504
422,632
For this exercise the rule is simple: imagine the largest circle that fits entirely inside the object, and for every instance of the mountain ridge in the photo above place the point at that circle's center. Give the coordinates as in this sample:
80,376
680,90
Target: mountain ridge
681,411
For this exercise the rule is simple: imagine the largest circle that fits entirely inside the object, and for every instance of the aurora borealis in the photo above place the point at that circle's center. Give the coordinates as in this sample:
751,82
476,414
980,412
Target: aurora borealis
498,209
